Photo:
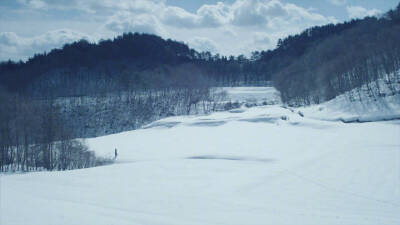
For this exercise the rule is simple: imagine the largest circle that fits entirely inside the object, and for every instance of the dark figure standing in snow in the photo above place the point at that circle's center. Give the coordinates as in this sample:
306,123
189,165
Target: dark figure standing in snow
116,154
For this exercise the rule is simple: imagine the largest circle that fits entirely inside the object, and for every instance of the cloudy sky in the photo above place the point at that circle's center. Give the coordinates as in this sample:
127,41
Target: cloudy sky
228,27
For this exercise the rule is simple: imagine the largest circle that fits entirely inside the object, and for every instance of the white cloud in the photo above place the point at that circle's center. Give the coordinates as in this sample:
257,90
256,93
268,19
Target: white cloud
273,13
94,6
37,4
203,44
15,47
9,38
229,28
56,38
138,6
261,39
338,2
248,13
206,16
242,13
124,22
360,12
213,15
178,17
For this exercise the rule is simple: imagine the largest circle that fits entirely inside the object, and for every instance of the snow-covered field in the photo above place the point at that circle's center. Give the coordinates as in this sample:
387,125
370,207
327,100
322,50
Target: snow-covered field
258,95
260,165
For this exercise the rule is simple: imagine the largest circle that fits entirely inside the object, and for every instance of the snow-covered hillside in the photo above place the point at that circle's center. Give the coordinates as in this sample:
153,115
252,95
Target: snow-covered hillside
259,165
376,101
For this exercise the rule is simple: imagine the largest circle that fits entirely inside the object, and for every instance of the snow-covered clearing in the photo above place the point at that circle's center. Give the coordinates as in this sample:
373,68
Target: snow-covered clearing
261,165
258,95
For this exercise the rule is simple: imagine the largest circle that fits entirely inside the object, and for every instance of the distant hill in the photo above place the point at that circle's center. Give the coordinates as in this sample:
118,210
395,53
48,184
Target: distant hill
324,62
130,61
311,67
82,68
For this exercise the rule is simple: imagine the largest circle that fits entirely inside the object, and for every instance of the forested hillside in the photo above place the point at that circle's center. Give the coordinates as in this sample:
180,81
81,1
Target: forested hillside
128,62
323,62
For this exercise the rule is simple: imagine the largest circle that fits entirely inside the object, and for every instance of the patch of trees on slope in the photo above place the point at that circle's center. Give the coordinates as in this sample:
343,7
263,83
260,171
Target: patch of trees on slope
34,136
323,62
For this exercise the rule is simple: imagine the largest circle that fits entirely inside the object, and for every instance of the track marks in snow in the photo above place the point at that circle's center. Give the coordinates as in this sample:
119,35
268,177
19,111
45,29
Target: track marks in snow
232,158
333,189
208,123
162,124
261,120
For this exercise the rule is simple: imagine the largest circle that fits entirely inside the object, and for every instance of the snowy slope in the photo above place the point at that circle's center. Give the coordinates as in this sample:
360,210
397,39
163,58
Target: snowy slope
261,165
365,104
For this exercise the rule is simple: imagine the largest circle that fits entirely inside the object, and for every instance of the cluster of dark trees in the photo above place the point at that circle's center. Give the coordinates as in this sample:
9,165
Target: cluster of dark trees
33,136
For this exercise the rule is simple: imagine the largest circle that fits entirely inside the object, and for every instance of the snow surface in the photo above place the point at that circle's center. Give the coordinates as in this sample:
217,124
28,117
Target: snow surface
257,95
260,165
360,105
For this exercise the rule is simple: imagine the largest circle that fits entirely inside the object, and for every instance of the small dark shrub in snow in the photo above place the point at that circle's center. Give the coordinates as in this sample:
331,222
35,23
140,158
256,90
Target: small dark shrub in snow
102,161
231,105
249,105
